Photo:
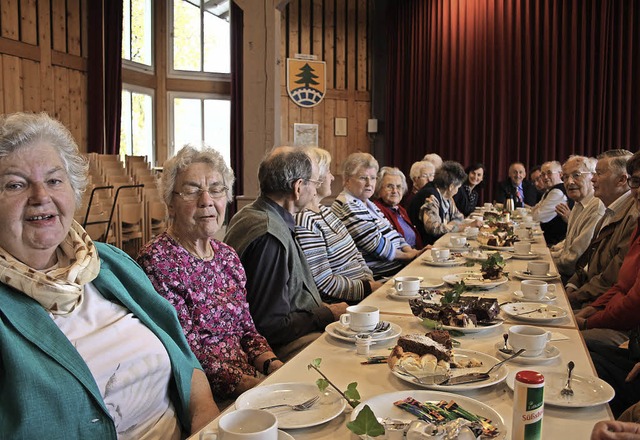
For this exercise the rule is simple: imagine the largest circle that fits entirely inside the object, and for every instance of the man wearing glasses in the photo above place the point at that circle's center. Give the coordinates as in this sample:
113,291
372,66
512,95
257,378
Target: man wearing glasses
282,295
597,269
577,173
553,226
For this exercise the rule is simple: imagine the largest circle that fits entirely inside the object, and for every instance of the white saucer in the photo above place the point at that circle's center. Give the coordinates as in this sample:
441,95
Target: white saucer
549,297
393,294
530,256
284,435
346,331
549,354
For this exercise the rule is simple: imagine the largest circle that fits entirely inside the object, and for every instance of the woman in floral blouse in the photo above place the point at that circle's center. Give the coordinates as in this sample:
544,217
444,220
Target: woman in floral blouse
203,278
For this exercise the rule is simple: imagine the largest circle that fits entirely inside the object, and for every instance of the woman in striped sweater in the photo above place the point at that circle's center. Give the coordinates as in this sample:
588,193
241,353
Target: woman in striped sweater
338,268
384,249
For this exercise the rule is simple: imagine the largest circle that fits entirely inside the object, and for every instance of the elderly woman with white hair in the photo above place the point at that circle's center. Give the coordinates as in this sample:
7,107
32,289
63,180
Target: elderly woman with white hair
421,173
203,278
338,268
390,188
384,249
87,348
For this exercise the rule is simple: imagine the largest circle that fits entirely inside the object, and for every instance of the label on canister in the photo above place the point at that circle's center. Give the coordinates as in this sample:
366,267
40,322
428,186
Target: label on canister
528,406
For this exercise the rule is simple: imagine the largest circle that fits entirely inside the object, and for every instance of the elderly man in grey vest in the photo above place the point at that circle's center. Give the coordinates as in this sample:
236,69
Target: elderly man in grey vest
283,298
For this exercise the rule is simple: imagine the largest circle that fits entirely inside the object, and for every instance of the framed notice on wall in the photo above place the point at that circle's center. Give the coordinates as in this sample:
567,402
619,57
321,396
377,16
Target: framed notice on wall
305,135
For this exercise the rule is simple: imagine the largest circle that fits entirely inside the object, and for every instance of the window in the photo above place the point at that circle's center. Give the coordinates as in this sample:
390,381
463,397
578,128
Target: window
197,120
137,32
201,40
137,131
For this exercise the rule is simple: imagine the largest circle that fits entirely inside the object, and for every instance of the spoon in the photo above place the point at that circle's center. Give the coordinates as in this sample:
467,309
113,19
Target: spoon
505,349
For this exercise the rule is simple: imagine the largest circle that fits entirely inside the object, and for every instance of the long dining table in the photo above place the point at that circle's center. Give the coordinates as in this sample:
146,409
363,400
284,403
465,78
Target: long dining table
342,365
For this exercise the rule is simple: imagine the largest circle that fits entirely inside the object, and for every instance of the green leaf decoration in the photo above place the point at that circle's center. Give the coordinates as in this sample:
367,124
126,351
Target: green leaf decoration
430,324
322,384
316,362
366,424
352,393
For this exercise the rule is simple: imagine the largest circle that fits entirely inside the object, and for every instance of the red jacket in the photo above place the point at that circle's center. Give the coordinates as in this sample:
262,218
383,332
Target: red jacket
390,215
620,305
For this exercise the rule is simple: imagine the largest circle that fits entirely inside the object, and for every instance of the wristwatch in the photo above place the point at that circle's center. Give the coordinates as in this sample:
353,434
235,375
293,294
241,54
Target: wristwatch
267,364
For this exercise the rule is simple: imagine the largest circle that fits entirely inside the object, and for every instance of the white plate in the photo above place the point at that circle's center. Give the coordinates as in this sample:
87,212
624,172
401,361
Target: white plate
497,248
482,256
330,405
549,297
525,276
530,256
346,331
474,280
478,329
587,390
460,354
542,313
454,248
431,283
284,436
453,261
550,353
394,332
383,407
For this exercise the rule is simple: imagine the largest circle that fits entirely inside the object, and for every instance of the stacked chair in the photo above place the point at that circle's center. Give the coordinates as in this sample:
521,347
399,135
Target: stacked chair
122,204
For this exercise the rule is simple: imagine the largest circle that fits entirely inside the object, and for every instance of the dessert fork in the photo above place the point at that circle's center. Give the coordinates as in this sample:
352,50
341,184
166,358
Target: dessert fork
307,404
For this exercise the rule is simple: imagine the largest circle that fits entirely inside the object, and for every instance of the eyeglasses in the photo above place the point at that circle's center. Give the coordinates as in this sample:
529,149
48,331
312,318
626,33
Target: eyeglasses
365,179
191,194
549,173
391,187
317,183
633,182
575,176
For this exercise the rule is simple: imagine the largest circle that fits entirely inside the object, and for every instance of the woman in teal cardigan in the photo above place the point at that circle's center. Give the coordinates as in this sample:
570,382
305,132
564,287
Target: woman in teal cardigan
87,348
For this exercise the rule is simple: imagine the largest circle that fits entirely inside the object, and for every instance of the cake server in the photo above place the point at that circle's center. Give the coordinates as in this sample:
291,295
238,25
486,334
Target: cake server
477,377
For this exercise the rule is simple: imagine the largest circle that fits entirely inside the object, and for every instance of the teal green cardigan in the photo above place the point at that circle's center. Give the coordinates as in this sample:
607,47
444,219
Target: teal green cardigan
47,390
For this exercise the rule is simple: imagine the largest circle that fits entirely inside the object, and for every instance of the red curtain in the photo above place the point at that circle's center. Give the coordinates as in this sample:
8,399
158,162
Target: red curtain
104,76
499,81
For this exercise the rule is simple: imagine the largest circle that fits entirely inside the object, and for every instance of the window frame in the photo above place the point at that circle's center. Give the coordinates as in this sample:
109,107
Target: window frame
187,74
132,88
171,95
140,67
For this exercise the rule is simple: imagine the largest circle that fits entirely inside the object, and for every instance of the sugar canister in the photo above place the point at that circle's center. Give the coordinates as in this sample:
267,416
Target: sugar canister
528,406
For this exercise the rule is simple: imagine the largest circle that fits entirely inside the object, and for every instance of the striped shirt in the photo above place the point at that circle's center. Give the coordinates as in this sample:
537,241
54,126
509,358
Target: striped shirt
337,266
372,233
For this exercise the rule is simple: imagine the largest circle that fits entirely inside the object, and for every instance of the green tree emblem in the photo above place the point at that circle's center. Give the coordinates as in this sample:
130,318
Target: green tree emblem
307,76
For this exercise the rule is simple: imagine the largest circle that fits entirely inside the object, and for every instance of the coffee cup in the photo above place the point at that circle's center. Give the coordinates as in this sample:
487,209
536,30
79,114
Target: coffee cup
244,424
488,206
538,267
458,240
440,254
521,211
527,219
471,232
523,233
521,248
361,318
536,289
407,285
532,339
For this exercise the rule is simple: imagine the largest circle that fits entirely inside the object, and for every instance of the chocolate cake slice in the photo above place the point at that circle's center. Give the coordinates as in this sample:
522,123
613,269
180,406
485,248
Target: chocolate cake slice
421,345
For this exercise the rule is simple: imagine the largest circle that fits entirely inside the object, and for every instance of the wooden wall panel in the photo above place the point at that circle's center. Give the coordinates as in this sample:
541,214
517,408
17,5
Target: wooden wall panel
74,27
31,73
9,19
43,69
28,21
335,31
59,25
12,83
